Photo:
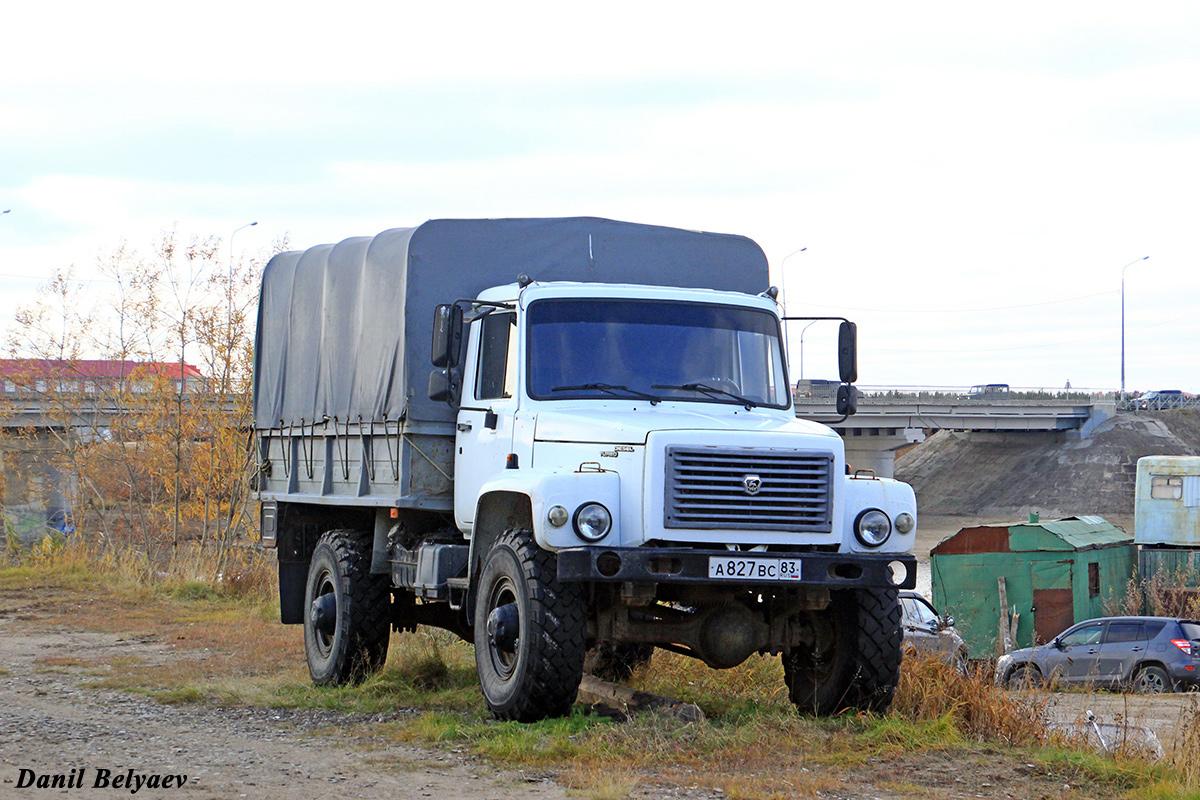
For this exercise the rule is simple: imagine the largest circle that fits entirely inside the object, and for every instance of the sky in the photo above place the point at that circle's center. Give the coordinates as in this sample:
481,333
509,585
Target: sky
968,182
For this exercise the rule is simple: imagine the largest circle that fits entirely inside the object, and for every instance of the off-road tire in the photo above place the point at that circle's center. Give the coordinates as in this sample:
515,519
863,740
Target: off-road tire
1152,679
530,669
854,661
356,646
616,662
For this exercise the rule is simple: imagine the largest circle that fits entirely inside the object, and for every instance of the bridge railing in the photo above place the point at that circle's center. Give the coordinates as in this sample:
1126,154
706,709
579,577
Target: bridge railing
824,393
955,395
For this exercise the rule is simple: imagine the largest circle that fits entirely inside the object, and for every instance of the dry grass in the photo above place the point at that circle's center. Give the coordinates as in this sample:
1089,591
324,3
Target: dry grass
1182,753
931,690
1164,594
192,572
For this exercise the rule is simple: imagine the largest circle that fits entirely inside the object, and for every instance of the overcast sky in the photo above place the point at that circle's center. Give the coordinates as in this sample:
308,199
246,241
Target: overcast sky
968,184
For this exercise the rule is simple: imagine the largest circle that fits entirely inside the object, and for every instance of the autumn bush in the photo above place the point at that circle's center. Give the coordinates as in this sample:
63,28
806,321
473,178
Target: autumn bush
152,457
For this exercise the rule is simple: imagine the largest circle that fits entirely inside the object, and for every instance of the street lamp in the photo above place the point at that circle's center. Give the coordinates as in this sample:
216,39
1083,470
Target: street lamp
782,300
247,225
802,330
230,288
1127,266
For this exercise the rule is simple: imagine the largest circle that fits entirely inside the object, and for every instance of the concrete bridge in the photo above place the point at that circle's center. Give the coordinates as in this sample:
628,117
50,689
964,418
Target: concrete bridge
891,418
888,419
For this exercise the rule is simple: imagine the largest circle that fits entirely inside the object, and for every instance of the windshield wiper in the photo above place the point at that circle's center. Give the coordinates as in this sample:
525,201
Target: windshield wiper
610,389
704,388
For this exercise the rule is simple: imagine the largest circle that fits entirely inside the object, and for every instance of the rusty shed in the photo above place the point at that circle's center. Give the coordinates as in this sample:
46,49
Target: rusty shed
1056,573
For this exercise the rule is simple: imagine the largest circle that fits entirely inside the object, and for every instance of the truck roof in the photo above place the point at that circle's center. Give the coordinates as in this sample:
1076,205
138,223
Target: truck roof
344,329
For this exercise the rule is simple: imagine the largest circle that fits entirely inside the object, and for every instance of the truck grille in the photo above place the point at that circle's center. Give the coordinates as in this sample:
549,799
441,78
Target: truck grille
748,489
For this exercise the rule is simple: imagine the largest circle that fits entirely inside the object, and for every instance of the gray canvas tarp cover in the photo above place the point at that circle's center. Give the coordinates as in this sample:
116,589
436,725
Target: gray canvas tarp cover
344,330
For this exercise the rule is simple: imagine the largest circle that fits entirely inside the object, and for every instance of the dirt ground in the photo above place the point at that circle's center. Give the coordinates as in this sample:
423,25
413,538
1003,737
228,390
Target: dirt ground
51,724
54,720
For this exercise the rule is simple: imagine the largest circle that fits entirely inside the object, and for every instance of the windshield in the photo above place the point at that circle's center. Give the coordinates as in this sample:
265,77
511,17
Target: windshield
655,350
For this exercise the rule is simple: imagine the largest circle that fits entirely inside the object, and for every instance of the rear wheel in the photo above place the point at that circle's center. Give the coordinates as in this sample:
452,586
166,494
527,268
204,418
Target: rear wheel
529,632
1152,680
854,658
347,619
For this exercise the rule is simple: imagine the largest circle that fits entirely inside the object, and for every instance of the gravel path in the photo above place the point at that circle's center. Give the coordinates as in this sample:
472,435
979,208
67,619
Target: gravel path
50,725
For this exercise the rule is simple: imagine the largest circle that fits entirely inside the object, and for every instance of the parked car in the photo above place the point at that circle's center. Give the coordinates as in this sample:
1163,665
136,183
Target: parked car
1146,654
927,631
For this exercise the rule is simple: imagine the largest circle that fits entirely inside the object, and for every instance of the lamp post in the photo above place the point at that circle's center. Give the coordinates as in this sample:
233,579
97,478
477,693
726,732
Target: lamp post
1127,266
802,330
229,290
235,232
783,278
229,299
783,275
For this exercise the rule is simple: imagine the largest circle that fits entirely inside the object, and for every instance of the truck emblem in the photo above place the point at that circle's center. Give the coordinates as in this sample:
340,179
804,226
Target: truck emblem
751,483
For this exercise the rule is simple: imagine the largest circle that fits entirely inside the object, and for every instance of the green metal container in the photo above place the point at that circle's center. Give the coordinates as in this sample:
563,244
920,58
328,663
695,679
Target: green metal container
1056,573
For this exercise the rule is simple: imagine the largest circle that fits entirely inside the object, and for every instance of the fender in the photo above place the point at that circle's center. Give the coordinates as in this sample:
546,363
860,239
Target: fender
542,490
890,496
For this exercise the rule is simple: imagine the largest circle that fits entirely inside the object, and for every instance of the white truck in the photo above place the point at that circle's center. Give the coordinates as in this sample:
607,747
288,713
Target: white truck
559,439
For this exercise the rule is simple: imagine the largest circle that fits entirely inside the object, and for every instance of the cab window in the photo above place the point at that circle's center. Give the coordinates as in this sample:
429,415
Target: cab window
496,371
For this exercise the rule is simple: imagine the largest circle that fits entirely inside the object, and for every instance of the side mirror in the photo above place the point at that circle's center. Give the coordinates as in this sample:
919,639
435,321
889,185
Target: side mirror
1058,645
847,400
848,352
444,386
447,335
948,622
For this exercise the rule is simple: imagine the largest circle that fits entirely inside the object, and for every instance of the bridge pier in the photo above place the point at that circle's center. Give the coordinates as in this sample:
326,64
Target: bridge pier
875,448
888,421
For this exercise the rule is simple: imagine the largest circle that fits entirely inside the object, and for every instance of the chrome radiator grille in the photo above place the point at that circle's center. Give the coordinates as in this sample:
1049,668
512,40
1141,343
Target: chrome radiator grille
748,489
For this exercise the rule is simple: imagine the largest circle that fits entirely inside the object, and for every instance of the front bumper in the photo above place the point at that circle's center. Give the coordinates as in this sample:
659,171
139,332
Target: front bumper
680,565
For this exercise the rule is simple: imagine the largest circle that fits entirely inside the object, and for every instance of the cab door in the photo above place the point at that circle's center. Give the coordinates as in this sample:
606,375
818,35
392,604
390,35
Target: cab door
484,436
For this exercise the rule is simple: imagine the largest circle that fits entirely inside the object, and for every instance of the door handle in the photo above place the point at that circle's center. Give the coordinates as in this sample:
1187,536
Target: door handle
463,427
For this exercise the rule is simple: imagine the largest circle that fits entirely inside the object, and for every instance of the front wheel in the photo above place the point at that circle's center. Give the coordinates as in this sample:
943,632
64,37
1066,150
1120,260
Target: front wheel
853,660
1024,678
347,619
530,632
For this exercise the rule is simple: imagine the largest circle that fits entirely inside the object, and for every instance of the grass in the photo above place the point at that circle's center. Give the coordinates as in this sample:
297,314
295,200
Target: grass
215,642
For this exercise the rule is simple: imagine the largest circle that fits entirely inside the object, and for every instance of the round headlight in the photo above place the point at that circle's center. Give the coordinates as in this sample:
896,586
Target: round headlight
905,522
872,527
558,516
592,522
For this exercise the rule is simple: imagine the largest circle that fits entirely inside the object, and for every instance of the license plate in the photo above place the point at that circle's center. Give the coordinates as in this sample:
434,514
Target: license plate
754,569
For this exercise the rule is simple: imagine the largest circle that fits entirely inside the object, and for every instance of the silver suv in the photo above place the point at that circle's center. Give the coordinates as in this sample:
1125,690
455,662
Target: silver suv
1146,654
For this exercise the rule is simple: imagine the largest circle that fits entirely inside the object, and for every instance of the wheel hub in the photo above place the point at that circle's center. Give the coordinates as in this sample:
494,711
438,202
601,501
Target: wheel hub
324,614
503,627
